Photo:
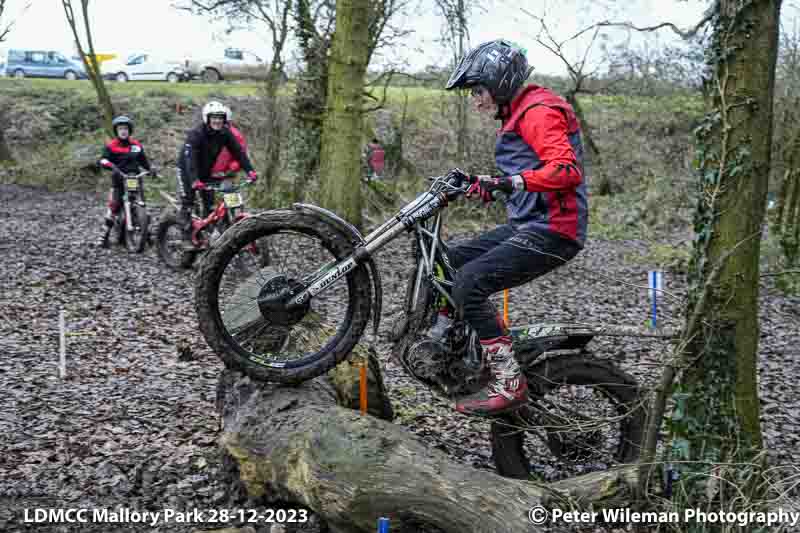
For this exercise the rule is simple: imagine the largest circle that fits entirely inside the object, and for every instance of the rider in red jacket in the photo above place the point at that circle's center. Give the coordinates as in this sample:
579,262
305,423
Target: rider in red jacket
375,159
226,163
539,155
121,154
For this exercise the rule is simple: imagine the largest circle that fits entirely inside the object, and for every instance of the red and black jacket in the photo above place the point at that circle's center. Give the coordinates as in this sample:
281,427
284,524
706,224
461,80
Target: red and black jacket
127,155
541,141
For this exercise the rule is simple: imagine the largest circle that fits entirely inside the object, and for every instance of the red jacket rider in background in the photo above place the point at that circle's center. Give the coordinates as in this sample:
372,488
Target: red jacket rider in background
122,154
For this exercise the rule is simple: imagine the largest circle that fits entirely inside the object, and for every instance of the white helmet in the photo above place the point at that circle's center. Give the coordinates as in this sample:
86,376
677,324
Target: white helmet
216,108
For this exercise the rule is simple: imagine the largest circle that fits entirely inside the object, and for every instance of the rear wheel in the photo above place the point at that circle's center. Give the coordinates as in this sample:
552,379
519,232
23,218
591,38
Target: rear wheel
19,74
70,75
241,310
170,243
210,75
586,412
136,239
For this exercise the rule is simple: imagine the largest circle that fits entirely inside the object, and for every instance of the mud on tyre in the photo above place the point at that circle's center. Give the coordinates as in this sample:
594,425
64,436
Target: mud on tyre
236,238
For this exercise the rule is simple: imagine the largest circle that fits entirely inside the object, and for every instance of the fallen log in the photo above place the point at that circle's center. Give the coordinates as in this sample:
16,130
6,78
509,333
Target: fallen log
300,444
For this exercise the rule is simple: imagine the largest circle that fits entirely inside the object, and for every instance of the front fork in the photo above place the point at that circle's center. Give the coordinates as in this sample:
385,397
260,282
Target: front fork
127,205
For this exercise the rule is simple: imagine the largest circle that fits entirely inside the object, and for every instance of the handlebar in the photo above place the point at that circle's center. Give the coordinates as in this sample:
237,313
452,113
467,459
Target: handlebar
223,188
115,168
139,175
459,181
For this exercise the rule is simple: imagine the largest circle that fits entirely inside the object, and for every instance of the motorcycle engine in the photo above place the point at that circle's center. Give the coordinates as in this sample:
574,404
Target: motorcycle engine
452,368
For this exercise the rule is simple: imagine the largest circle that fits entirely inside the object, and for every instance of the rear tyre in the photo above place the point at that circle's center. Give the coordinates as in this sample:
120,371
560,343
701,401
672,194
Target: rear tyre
210,75
170,243
620,442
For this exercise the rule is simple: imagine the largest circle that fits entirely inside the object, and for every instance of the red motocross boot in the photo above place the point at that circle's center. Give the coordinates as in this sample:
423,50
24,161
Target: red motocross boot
508,388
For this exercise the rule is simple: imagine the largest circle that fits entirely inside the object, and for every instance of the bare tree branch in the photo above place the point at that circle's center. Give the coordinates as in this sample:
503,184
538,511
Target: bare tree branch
684,34
4,32
782,273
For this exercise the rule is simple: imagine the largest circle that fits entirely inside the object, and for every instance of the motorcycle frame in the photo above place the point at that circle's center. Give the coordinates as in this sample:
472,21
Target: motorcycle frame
220,212
409,218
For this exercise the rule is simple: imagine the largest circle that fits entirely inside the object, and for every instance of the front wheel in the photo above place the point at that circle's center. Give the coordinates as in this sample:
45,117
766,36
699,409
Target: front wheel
171,245
587,413
241,310
136,240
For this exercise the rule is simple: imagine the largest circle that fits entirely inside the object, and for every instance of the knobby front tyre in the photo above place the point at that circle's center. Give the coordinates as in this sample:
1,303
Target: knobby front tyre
136,240
259,342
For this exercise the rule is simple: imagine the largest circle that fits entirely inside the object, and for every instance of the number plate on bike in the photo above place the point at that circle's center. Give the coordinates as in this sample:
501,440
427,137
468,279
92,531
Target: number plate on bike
233,199
133,184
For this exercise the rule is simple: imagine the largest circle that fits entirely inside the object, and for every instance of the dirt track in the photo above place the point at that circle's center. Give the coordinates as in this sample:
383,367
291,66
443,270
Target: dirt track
133,425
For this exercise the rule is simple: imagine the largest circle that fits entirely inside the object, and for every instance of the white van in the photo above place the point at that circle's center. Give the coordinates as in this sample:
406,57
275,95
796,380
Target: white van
143,67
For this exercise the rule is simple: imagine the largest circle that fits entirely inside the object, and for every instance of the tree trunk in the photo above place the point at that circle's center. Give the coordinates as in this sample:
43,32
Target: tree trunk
308,108
5,152
462,98
586,130
92,69
340,161
790,225
296,444
716,418
274,141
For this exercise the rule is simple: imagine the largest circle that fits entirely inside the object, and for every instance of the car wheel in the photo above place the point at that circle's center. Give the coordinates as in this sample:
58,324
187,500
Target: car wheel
122,77
71,76
210,75
19,74
173,78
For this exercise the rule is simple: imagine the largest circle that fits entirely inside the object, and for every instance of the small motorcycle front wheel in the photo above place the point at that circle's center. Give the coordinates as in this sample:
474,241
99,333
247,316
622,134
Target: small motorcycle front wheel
171,245
243,313
136,239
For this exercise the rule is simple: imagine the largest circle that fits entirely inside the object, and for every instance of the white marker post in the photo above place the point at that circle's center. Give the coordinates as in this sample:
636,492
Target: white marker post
656,284
62,367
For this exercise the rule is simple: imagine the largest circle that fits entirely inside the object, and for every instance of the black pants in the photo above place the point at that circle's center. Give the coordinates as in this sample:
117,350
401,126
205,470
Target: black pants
186,194
116,191
502,259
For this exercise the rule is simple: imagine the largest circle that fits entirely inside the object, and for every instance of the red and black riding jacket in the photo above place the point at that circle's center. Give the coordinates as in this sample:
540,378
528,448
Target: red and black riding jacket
541,141
127,155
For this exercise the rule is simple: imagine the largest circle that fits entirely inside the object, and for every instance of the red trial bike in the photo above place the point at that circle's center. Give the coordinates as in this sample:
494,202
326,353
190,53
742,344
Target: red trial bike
209,222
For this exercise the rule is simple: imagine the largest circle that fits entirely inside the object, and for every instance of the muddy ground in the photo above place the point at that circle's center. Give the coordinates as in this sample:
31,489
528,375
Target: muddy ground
133,423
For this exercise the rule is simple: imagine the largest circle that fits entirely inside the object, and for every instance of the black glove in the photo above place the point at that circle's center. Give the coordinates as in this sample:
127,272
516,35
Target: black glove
485,187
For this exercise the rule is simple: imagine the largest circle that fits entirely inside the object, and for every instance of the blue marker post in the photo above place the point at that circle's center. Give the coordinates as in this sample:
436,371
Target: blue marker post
656,284
383,525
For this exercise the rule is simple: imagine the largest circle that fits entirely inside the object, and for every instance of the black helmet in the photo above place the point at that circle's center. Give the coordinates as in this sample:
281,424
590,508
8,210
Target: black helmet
122,119
499,65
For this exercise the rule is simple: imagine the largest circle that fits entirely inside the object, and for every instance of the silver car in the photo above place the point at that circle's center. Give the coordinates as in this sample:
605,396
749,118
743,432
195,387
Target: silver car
43,64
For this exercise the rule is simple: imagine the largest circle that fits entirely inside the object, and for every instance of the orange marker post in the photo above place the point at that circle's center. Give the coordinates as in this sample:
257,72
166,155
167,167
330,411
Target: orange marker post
505,307
363,387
